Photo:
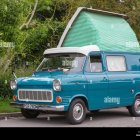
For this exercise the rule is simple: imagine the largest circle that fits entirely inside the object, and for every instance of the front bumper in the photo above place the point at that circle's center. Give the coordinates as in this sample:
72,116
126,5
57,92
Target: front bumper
39,107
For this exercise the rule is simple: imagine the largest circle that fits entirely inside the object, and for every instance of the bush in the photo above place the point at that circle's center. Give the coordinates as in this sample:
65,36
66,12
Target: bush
24,71
5,90
44,30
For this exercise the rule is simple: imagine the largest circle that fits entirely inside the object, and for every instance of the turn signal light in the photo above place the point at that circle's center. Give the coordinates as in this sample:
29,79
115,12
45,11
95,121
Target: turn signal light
58,99
14,97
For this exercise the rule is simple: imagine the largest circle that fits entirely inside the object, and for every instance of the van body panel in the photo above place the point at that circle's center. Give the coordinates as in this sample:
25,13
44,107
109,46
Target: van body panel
100,90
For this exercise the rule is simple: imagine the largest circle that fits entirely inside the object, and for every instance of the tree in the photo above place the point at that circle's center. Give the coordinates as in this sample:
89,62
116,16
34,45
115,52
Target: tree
30,19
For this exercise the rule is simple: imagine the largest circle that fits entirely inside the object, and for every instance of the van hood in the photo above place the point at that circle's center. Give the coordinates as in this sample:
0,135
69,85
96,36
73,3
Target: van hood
37,80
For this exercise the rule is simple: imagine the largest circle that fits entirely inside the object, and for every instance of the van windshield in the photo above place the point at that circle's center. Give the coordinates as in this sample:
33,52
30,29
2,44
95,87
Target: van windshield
62,62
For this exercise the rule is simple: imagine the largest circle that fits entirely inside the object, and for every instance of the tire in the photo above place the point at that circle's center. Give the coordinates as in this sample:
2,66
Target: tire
29,114
77,112
134,110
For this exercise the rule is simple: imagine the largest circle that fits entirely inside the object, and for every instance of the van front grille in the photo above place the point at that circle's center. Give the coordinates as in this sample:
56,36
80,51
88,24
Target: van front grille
35,95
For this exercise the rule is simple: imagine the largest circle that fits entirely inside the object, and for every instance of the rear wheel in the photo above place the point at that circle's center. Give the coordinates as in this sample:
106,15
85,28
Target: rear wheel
29,113
134,110
77,112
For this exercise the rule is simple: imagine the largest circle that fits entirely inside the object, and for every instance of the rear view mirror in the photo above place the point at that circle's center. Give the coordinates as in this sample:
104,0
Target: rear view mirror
13,72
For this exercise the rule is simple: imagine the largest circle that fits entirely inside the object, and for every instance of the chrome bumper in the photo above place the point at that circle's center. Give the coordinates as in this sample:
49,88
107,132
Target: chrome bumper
39,107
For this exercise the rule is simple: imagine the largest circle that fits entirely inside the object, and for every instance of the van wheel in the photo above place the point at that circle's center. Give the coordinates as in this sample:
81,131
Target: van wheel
77,112
134,110
29,113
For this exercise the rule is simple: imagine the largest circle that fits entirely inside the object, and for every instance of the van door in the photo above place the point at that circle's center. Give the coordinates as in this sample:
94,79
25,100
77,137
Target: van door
97,81
120,83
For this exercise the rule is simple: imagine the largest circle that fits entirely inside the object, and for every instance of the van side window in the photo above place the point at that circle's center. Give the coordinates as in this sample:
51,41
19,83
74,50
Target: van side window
116,63
94,64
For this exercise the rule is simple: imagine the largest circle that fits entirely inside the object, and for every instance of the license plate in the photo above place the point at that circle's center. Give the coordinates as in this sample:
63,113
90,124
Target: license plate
30,106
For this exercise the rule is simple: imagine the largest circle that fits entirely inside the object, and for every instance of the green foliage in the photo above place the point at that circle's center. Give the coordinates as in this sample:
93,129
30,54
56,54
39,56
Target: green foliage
5,105
45,9
40,37
44,30
4,84
21,71
10,16
134,21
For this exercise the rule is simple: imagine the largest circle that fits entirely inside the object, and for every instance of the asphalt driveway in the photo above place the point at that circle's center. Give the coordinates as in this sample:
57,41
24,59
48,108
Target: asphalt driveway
118,117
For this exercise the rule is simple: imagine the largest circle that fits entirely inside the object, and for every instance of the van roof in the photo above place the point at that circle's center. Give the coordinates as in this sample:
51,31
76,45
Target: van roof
104,12
109,31
83,50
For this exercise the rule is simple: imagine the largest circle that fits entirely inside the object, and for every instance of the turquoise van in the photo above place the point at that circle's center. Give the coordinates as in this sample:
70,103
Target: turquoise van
95,66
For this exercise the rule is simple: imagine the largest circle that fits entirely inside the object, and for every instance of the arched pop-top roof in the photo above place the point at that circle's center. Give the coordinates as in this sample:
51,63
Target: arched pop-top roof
109,31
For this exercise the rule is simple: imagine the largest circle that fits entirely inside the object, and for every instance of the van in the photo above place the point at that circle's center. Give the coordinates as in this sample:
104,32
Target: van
95,74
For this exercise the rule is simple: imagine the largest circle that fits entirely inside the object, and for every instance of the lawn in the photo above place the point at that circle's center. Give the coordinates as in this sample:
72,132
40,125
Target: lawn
5,106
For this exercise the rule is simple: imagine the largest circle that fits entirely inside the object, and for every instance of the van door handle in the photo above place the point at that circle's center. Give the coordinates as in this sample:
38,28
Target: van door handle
105,79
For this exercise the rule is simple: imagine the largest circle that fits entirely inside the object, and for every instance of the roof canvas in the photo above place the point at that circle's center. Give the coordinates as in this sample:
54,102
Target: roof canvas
109,31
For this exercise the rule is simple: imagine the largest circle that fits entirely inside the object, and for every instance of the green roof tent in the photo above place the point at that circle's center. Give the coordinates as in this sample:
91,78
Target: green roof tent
109,31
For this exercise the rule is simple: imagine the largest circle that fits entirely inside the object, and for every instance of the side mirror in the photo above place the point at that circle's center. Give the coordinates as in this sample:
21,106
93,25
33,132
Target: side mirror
13,72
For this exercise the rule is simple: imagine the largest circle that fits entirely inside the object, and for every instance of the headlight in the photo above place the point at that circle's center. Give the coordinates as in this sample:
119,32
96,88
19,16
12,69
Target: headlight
57,85
13,85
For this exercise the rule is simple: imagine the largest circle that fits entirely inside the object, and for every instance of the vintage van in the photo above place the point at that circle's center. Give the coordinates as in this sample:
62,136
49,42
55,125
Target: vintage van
92,68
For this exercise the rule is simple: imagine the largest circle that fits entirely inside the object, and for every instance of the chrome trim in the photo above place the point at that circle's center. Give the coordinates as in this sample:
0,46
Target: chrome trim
41,108
32,100
40,64
78,111
60,85
15,82
137,106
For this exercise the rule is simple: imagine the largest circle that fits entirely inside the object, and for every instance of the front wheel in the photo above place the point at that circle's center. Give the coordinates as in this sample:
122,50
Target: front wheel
77,112
134,110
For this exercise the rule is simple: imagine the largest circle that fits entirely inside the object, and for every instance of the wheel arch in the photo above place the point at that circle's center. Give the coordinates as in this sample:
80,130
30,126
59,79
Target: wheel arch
84,98
137,94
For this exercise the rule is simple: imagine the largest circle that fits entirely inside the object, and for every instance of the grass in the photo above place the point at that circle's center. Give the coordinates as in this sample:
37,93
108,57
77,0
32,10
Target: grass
5,106
4,87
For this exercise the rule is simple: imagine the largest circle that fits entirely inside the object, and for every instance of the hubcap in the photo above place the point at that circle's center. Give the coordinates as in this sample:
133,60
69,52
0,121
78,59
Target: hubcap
137,106
78,111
